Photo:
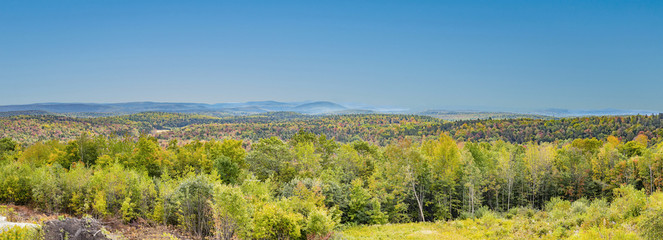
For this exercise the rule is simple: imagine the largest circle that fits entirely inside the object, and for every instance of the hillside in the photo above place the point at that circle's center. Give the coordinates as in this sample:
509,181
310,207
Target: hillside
376,128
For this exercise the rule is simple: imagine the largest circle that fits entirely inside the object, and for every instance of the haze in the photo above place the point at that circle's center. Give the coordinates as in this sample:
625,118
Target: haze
417,54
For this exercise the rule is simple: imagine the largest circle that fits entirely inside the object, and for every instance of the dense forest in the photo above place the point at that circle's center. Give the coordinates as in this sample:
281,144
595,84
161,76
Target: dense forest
307,178
379,129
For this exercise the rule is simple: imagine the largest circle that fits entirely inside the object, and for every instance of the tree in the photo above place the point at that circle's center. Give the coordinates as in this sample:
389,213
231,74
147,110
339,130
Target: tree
274,222
443,158
270,157
232,213
538,161
147,156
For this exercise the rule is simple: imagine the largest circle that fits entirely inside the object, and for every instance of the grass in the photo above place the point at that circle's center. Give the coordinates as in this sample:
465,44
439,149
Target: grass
490,227
401,231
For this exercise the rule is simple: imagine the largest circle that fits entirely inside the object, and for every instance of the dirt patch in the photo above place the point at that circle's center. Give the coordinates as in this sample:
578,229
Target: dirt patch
74,229
137,230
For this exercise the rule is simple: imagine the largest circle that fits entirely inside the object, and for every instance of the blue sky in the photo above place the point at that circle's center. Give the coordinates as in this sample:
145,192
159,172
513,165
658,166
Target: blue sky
419,54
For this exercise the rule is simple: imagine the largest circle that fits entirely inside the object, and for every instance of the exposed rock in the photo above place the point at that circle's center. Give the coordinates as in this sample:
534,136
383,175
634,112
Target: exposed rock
74,229
4,225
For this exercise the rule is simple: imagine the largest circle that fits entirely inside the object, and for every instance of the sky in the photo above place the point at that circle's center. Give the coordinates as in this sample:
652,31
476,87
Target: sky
512,55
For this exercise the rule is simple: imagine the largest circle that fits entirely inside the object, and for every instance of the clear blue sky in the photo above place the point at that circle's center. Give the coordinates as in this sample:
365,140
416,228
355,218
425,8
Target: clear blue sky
502,54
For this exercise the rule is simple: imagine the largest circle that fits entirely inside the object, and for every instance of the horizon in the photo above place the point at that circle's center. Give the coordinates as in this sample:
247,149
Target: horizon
362,106
506,56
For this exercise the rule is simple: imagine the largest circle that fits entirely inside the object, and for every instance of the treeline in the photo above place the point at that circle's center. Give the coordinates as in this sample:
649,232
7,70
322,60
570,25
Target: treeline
310,185
379,129
386,129
526,130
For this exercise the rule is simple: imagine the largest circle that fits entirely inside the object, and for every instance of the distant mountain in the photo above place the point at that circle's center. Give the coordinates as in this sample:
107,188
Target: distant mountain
355,111
555,112
465,115
28,113
260,107
130,107
319,107
95,109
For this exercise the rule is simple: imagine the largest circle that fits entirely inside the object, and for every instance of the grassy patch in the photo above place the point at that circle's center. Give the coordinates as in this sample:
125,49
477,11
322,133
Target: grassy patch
401,231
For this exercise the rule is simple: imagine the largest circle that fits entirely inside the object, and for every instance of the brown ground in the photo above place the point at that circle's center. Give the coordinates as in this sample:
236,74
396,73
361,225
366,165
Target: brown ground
139,229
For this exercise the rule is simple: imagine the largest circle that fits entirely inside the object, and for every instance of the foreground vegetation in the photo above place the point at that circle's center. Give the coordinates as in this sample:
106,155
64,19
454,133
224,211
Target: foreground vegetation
313,187
560,219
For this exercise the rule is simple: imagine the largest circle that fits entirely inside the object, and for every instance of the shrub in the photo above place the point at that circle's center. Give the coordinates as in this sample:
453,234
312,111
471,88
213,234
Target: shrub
164,205
128,210
46,188
16,183
117,184
273,222
232,213
228,170
21,233
319,225
192,198
99,206
628,203
651,223
75,189
597,214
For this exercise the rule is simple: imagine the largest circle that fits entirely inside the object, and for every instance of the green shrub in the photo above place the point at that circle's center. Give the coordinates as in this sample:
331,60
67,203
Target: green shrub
232,213
192,198
319,225
100,206
117,184
75,188
597,214
628,203
651,223
228,170
273,222
47,191
8,212
21,233
128,210
164,207
16,183
558,208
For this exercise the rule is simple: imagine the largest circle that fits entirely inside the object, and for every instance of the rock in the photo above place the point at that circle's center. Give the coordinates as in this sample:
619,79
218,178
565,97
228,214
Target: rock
74,229
4,225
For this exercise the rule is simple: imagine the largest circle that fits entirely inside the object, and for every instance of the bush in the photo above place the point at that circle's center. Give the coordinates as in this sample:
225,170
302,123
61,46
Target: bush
100,206
232,213
16,183
21,233
46,189
228,170
651,223
75,188
628,203
164,205
597,214
115,184
128,210
319,225
192,198
273,222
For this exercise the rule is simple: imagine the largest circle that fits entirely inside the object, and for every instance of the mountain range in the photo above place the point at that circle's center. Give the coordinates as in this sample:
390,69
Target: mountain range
309,107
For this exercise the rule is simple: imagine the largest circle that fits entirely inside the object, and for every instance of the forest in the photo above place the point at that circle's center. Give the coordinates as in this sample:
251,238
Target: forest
379,129
338,177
